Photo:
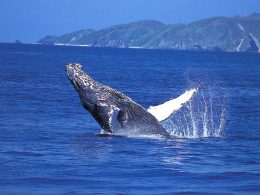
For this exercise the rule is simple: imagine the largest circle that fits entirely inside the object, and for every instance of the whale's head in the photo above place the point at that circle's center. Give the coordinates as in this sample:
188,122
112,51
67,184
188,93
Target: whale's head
85,86
95,97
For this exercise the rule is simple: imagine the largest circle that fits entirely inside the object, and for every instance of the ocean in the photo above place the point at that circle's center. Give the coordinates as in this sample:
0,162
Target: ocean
50,145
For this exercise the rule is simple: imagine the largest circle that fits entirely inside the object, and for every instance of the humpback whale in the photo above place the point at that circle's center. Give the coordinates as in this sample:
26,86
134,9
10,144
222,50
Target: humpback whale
115,112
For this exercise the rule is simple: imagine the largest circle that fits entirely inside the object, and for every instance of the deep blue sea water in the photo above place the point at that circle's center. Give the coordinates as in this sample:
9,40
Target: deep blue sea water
50,145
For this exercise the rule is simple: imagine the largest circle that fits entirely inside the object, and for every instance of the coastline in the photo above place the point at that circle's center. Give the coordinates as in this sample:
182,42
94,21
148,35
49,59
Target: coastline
134,48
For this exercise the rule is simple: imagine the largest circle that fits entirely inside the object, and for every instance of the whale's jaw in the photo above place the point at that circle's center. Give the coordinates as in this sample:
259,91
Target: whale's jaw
85,86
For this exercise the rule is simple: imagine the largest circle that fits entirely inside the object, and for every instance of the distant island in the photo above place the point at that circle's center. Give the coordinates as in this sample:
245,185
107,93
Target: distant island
17,41
240,34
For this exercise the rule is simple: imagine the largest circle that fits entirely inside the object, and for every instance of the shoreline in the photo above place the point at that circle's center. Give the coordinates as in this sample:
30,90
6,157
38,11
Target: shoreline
135,48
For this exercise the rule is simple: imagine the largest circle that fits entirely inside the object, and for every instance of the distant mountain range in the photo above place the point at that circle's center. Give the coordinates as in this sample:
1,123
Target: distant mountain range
216,33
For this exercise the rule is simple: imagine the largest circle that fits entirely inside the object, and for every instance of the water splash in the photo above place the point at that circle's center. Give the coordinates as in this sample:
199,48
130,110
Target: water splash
203,116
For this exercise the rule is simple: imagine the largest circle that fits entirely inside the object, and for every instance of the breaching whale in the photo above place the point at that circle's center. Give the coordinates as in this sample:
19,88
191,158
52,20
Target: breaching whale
115,112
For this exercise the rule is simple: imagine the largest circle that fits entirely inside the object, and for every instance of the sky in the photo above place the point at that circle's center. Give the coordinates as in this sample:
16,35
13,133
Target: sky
30,20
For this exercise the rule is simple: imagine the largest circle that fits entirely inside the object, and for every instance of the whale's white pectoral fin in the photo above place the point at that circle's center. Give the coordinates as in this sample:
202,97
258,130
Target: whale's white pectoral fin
165,110
113,119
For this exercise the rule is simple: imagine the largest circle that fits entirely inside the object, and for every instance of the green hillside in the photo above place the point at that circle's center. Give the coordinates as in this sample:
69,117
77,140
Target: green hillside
216,33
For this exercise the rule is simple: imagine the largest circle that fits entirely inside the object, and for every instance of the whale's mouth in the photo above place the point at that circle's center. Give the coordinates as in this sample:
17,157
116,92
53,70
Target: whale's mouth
75,84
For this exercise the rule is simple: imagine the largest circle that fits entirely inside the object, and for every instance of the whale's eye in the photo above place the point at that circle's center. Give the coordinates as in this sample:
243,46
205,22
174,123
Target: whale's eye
97,106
